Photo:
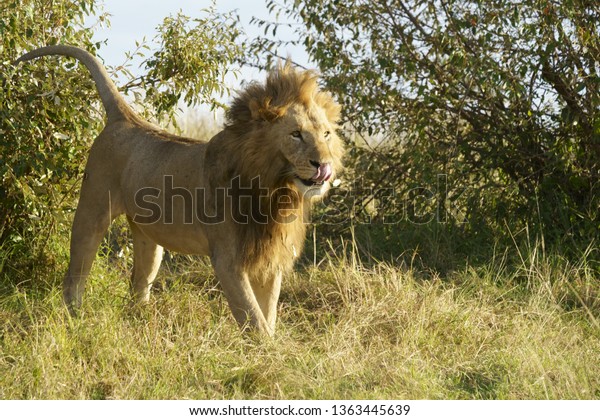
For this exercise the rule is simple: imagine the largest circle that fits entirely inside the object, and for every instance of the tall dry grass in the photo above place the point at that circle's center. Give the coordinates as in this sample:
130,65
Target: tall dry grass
345,330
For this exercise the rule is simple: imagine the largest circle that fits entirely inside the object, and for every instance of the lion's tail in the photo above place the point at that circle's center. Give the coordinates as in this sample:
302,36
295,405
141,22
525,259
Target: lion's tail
114,104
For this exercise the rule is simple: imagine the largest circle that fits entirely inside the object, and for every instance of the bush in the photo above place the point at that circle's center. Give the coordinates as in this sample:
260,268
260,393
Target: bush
501,101
47,119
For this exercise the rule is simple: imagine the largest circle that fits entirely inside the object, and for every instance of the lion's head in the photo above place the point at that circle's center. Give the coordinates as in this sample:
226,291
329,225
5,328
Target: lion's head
283,133
292,125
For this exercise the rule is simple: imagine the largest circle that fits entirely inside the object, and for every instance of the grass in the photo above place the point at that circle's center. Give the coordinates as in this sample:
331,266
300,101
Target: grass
346,331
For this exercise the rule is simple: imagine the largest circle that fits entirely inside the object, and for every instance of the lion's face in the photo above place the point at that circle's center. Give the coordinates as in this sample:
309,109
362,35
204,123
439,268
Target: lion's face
311,148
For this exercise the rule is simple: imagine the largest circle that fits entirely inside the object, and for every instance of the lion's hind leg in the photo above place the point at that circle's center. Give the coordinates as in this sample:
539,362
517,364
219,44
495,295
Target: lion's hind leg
91,222
147,256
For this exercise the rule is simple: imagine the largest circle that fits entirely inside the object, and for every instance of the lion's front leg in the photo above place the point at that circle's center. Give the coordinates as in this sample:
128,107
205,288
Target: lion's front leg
267,291
240,296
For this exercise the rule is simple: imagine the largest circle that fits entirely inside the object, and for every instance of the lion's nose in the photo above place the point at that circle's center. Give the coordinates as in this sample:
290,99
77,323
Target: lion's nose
323,173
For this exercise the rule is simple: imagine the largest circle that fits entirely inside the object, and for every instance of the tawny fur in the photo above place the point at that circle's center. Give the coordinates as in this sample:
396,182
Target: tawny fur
259,142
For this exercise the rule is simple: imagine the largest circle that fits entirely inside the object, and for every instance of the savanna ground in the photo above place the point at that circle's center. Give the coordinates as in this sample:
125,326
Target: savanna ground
347,330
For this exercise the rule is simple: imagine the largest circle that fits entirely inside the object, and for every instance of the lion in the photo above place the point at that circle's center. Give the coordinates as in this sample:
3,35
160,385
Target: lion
242,198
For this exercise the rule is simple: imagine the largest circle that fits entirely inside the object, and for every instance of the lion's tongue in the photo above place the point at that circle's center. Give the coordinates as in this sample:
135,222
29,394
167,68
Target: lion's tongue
323,174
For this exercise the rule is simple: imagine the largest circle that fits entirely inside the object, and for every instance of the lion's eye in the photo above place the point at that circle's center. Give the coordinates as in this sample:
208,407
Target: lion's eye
296,135
327,134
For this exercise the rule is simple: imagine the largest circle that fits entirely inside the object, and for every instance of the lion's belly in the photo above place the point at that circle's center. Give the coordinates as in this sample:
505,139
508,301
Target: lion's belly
185,239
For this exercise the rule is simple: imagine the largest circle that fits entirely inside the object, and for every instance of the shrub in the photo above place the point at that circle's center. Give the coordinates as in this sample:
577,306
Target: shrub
501,100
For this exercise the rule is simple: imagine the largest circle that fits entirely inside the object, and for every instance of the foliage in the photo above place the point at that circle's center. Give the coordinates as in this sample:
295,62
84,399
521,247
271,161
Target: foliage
50,111
47,117
181,71
502,101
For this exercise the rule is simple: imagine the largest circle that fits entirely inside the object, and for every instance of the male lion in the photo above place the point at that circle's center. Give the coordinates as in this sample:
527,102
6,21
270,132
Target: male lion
240,198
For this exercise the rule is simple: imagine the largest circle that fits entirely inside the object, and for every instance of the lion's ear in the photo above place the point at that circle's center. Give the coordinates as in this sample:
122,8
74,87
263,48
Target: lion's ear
264,111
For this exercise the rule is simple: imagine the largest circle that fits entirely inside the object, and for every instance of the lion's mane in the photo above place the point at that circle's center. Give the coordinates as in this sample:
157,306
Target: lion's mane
249,147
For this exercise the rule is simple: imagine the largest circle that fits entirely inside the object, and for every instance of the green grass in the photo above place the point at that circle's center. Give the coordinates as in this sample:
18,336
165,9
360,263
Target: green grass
345,331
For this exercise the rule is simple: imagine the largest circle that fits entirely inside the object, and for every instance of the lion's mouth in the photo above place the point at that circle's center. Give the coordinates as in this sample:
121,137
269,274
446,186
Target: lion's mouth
322,174
309,182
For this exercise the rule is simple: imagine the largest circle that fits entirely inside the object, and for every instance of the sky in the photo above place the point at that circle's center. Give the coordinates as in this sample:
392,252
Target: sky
132,20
